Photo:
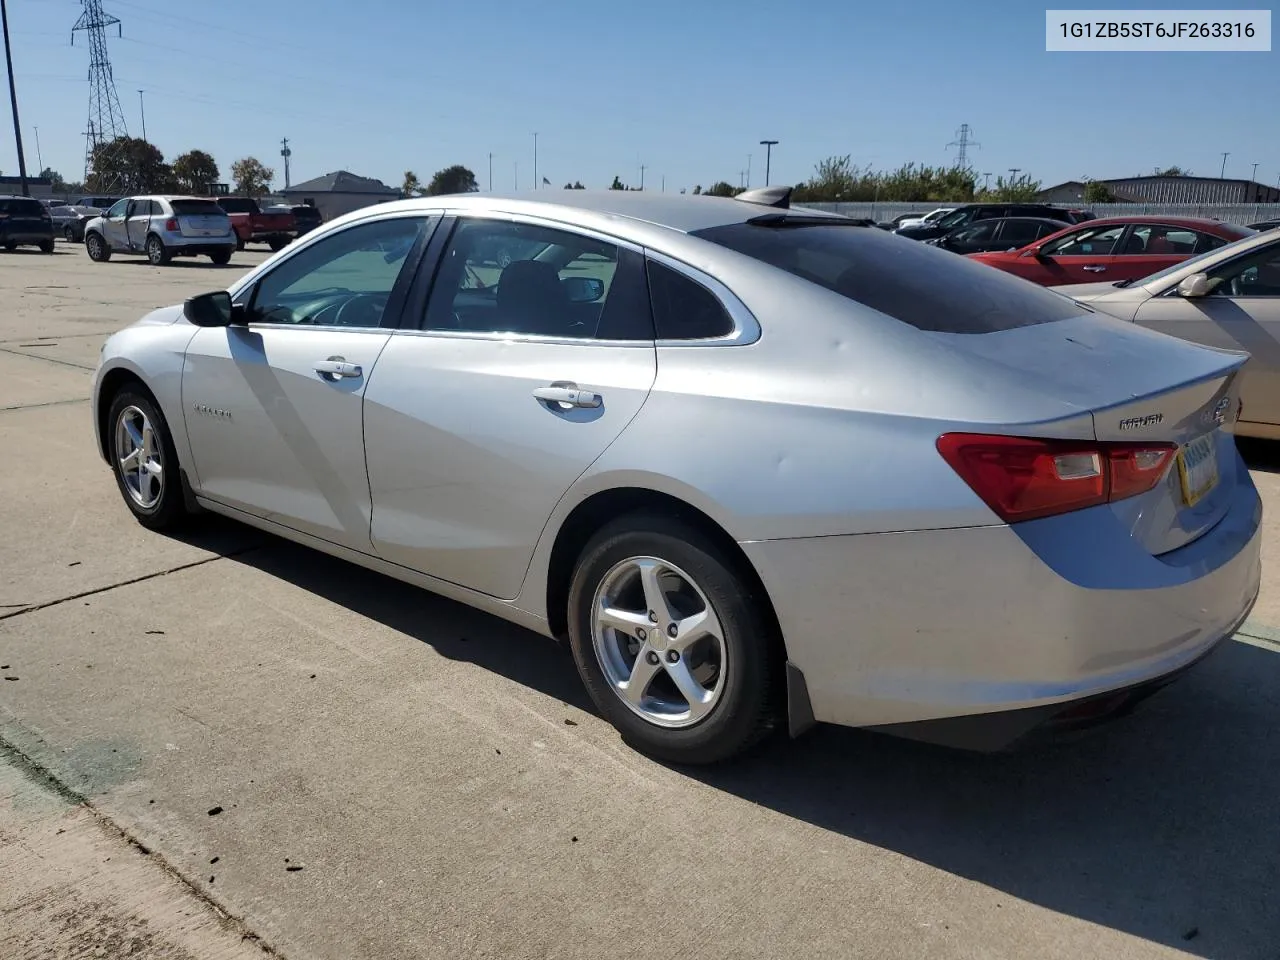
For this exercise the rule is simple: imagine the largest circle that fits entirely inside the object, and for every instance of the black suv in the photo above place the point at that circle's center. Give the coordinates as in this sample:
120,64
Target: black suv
24,221
972,212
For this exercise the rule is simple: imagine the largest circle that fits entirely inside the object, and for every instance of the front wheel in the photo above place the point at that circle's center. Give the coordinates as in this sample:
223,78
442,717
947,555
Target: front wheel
157,255
68,234
277,244
97,248
46,246
239,242
221,257
669,642
145,461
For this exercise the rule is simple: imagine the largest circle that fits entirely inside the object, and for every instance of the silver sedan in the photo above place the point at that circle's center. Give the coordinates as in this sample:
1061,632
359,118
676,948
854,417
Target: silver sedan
758,467
1227,298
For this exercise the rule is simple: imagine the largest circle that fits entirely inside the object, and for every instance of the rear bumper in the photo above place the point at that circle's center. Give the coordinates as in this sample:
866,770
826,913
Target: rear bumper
891,630
196,246
25,237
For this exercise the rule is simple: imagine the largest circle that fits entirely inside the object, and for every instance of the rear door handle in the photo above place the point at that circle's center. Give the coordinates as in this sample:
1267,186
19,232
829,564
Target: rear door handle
335,368
1094,268
567,395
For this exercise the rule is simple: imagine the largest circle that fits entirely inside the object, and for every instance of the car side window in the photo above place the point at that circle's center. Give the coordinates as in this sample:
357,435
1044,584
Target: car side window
1090,242
1157,239
1017,233
344,280
499,276
978,232
684,309
1252,276
118,209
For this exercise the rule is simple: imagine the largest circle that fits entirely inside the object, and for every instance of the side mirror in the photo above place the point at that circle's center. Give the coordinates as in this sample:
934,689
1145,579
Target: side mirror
1034,253
209,309
583,289
1196,285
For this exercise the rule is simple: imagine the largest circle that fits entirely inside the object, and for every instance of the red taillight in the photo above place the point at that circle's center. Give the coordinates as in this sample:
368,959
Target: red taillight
171,224
1021,478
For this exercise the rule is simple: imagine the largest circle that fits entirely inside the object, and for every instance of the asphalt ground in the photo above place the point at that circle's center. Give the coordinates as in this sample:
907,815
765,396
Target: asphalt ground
224,745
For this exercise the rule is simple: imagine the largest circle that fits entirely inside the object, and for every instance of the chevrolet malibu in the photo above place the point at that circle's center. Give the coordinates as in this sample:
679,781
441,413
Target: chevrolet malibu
758,467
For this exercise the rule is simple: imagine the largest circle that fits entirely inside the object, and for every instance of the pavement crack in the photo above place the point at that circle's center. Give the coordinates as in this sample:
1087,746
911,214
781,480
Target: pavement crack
38,773
125,583
35,356
47,403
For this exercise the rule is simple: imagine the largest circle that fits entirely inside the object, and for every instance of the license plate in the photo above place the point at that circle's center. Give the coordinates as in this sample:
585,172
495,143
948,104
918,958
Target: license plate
1198,469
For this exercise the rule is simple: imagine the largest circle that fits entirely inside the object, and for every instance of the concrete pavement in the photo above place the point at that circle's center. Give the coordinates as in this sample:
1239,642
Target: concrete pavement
343,766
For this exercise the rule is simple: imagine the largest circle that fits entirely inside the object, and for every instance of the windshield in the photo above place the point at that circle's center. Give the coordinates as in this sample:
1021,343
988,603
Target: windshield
953,219
921,285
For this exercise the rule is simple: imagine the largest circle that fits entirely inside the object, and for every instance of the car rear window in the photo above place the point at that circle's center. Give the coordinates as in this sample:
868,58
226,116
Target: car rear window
238,205
918,284
193,207
24,207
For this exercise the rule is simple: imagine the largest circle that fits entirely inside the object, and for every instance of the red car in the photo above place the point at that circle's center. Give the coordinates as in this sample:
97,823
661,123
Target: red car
1113,248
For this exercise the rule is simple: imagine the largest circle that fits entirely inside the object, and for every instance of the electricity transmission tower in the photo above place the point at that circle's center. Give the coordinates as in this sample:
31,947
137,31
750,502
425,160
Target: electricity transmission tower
963,141
106,119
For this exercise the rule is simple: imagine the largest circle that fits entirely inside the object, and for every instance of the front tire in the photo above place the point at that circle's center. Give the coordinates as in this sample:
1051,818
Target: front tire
68,234
669,642
221,257
97,248
239,242
277,245
157,254
145,461
46,246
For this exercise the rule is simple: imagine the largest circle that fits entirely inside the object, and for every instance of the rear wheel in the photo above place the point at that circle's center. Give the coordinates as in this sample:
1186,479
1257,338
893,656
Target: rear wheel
68,234
669,643
221,257
277,244
10,246
145,461
239,242
156,252
46,246
97,248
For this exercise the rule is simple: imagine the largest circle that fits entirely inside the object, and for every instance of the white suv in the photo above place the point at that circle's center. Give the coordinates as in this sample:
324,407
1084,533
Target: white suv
162,227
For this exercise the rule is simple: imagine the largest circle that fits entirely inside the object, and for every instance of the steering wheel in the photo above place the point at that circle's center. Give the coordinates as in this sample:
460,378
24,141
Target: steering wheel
362,310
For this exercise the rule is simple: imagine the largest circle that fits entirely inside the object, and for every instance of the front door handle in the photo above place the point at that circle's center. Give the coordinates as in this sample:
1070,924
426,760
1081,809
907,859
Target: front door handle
567,395
1094,268
335,368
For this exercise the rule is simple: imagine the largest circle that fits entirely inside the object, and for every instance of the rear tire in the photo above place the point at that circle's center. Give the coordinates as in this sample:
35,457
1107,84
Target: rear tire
239,242
10,247
145,461
277,245
46,246
97,248
221,258
731,672
157,254
68,234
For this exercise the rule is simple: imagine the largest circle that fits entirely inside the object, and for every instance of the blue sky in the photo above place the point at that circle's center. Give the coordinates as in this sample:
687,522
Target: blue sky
686,88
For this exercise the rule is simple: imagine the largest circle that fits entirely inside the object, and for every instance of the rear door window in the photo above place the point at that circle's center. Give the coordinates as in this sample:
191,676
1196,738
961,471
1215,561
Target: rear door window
1017,233
684,309
920,285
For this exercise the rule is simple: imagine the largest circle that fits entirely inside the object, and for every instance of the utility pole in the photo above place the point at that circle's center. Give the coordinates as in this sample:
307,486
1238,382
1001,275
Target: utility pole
13,101
491,171
768,157
1254,176
748,171
535,161
664,183
986,181
1223,174
143,107
515,173
642,176
286,153
40,159
1013,172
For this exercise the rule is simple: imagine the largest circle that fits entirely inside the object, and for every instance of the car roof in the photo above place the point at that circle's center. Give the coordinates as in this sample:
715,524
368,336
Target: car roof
684,213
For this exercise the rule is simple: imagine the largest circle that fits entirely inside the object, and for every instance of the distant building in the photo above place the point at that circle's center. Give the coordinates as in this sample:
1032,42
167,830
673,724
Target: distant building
1156,189
12,187
340,192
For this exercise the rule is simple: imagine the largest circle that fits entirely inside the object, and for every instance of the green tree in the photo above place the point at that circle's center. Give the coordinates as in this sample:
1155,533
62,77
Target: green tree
128,165
1012,190
455,179
697,190
576,185
1174,171
194,171
412,186
55,179
1095,191
618,184
722,189
252,178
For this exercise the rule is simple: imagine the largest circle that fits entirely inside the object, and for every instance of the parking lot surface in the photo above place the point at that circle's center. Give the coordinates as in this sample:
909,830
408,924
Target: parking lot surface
227,746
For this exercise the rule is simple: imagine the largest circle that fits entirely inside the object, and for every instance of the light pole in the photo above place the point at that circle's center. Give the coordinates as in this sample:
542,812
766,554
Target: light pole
143,107
642,176
1223,174
13,101
535,161
748,170
1254,176
491,171
768,157
40,159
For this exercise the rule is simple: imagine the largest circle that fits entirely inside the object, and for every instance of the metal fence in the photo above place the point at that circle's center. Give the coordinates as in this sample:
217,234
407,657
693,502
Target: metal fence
1241,213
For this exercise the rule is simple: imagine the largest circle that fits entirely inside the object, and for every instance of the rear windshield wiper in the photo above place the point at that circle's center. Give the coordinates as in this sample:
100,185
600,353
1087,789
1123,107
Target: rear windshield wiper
800,220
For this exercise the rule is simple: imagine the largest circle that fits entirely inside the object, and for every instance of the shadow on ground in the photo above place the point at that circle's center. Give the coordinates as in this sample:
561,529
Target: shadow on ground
1260,454
1161,825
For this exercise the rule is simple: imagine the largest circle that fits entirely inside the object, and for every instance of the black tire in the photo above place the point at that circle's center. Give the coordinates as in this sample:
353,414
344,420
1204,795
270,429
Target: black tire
46,246
68,234
749,701
97,248
221,257
277,245
10,246
239,242
169,509
157,254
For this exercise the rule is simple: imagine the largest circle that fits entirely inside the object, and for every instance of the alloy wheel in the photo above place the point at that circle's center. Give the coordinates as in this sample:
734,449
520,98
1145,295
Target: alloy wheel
659,642
139,458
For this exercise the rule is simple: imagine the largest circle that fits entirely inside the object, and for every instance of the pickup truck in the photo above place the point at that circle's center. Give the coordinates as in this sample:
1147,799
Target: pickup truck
252,225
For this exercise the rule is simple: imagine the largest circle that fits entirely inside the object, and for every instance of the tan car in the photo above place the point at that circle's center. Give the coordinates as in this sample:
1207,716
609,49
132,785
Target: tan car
1230,298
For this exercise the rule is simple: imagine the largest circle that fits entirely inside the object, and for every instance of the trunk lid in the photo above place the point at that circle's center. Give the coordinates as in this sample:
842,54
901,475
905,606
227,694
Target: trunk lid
1139,386
204,225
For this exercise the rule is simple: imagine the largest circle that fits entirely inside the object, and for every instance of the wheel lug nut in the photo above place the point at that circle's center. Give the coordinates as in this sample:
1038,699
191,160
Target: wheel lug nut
672,656
652,657
653,616
672,630
641,633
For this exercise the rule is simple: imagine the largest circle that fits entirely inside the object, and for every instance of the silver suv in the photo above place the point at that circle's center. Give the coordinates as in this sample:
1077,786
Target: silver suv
162,227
